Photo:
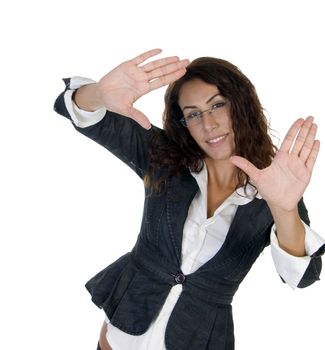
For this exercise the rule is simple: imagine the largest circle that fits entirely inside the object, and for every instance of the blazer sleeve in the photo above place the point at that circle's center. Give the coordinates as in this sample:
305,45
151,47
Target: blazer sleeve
314,268
121,135
315,248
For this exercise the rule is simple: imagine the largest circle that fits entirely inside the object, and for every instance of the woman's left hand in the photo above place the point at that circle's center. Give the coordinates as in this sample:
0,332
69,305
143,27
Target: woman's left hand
283,183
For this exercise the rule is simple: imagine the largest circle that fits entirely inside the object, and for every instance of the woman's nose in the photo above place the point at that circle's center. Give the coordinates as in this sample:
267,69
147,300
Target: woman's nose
208,121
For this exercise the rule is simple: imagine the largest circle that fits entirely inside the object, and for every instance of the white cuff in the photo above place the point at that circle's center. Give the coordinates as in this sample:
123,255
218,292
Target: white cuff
313,241
81,118
292,268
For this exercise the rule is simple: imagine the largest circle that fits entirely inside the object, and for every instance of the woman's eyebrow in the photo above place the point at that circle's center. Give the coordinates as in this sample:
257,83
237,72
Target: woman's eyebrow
209,100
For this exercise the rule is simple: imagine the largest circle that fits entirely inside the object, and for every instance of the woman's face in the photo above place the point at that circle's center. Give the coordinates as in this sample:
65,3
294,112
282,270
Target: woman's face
212,131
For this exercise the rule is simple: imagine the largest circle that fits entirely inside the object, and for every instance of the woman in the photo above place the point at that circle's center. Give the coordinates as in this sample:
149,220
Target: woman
217,192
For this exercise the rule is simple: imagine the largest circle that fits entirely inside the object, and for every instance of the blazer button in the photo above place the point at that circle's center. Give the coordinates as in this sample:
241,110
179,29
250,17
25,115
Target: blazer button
179,278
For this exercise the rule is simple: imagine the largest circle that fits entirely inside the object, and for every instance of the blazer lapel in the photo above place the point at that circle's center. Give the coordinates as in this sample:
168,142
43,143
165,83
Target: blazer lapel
180,193
250,220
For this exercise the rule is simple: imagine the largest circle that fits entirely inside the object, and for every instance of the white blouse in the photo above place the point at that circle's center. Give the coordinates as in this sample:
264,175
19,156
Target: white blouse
202,239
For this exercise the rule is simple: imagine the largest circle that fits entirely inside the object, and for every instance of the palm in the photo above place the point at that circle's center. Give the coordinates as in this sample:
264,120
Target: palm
125,84
283,183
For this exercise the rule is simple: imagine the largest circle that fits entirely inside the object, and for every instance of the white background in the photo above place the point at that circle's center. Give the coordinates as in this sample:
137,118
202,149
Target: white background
68,208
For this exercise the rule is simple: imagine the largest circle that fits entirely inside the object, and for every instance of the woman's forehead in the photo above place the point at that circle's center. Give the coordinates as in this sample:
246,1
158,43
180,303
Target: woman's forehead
197,91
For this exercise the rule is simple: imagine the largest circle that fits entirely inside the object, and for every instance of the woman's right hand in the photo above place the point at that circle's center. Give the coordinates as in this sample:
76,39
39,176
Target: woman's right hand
121,87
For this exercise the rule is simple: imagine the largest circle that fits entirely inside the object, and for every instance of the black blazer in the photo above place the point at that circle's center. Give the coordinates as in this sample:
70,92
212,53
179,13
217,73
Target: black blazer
133,289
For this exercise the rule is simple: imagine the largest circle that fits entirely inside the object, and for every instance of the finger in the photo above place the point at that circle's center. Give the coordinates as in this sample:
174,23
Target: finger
301,136
139,117
246,166
150,66
166,79
313,156
290,136
309,143
167,69
144,56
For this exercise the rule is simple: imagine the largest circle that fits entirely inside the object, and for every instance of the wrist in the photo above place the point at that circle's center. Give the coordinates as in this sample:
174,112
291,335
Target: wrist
290,230
88,98
281,214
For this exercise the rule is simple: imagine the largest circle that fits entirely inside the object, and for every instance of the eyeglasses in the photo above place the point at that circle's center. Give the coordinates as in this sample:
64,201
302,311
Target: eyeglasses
195,117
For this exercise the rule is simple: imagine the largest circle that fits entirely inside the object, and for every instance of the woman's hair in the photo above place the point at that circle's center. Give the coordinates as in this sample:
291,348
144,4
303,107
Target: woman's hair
249,123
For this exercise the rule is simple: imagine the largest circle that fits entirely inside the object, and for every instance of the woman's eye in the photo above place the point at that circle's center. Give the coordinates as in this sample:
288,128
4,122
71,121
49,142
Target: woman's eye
218,105
194,115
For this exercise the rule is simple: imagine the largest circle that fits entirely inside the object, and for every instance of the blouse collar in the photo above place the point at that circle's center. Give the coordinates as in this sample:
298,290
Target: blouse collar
238,197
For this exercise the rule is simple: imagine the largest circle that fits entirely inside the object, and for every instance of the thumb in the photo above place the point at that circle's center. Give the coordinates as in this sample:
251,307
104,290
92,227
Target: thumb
139,117
246,166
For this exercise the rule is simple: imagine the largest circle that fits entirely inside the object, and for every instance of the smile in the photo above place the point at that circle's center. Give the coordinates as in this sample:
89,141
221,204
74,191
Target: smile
217,139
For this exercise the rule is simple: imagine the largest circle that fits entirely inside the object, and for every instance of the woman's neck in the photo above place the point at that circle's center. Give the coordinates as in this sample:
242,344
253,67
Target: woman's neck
221,174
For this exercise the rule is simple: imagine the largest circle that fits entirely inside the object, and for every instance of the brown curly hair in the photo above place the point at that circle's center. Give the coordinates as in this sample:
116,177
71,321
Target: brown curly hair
251,129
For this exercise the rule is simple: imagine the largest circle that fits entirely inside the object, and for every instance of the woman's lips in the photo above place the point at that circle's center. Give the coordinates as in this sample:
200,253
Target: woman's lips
216,140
